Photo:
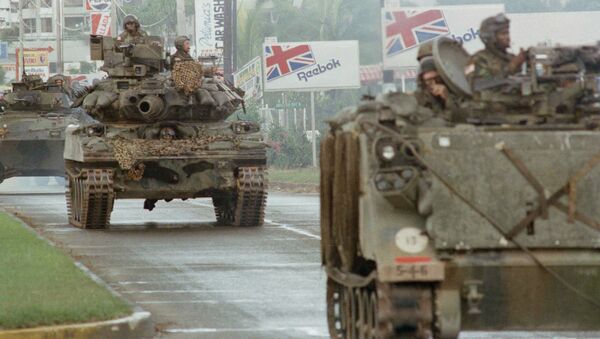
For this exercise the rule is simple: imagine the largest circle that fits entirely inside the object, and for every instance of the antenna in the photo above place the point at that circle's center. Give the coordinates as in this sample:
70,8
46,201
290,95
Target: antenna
21,29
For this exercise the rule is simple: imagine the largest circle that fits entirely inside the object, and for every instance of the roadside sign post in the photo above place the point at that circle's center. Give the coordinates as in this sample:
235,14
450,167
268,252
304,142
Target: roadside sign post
313,127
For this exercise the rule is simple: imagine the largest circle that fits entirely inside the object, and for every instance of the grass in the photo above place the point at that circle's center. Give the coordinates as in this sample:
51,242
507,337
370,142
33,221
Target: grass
39,285
295,176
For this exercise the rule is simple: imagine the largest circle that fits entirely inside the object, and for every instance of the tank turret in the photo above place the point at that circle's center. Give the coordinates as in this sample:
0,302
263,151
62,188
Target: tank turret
138,90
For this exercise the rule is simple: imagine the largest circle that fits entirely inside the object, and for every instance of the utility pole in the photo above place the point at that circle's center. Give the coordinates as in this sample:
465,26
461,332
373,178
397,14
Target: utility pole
113,18
229,39
21,29
58,27
181,17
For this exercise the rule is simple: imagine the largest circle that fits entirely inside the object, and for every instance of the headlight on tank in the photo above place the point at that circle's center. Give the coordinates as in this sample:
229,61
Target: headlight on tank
243,127
396,179
387,150
95,130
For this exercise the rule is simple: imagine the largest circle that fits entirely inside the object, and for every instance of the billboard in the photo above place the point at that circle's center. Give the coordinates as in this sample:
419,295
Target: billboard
405,29
210,27
249,79
575,28
317,65
97,5
101,23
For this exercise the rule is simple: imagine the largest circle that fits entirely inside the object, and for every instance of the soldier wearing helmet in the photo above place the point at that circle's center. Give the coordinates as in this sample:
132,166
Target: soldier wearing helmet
182,44
494,63
132,33
433,93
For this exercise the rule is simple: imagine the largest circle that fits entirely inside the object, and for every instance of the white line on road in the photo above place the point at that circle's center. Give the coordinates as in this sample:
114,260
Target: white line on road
213,302
293,229
310,331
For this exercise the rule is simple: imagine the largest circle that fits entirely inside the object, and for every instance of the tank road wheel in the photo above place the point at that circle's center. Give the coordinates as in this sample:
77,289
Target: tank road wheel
405,311
90,197
336,309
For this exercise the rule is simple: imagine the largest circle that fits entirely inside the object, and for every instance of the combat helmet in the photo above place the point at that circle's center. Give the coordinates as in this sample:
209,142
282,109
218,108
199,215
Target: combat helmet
425,50
58,77
131,18
180,40
427,64
492,25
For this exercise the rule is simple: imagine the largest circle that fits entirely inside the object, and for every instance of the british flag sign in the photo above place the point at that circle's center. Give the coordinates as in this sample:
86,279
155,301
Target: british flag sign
281,60
405,29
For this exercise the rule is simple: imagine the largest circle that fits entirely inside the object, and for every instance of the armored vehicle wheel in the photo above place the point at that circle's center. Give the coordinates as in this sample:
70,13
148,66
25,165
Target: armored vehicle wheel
383,312
90,197
246,205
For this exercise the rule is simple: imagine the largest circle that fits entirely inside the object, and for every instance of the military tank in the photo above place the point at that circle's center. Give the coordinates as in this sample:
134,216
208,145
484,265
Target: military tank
33,118
161,136
430,226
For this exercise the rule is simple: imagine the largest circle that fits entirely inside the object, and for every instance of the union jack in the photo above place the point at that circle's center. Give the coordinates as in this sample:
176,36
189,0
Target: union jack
282,60
407,29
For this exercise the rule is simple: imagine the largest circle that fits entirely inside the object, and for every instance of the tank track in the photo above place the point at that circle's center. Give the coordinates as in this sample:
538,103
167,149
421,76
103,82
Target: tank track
246,206
380,310
90,197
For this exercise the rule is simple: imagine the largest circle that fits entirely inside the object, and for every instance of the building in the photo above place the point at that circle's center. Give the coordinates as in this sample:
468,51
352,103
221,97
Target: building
40,31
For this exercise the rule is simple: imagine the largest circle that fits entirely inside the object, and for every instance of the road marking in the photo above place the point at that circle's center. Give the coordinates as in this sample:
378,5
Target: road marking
179,291
293,229
212,302
310,331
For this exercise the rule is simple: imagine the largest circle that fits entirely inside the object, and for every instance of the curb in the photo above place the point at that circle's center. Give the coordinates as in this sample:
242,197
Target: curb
137,325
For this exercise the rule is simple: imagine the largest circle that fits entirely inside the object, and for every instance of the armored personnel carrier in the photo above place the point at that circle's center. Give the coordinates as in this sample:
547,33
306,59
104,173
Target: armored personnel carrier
430,227
33,119
161,136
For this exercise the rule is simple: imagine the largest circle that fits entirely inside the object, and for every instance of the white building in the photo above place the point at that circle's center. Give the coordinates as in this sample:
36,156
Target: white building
40,29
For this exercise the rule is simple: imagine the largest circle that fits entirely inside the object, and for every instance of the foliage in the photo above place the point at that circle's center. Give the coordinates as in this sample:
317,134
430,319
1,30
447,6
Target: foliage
41,286
313,20
520,6
2,75
157,17
288,149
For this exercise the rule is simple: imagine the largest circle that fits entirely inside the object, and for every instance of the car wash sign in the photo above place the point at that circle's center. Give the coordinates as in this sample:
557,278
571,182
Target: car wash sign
404,30
210,27
317,65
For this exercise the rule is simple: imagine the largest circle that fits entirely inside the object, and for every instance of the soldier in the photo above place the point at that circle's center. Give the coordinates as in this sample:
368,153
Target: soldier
182,43
494,63
133,33
58,82
433,92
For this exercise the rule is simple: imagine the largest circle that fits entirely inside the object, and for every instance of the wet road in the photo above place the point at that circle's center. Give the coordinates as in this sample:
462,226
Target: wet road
201,281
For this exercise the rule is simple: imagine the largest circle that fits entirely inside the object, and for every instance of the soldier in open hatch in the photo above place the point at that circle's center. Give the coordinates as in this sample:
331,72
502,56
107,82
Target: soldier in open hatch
132,33
433,93
182,44
494,63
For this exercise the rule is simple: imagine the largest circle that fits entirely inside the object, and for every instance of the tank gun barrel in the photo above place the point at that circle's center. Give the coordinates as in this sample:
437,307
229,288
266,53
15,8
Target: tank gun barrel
151,107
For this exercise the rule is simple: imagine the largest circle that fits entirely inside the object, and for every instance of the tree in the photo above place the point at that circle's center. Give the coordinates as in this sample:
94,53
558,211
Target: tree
2,76
513,6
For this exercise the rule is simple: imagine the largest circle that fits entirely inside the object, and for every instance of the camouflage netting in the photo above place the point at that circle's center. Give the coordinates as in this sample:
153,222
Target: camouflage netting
127,152
187,76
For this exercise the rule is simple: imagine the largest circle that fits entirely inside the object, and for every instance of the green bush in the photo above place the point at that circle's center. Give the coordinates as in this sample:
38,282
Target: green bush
288,149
